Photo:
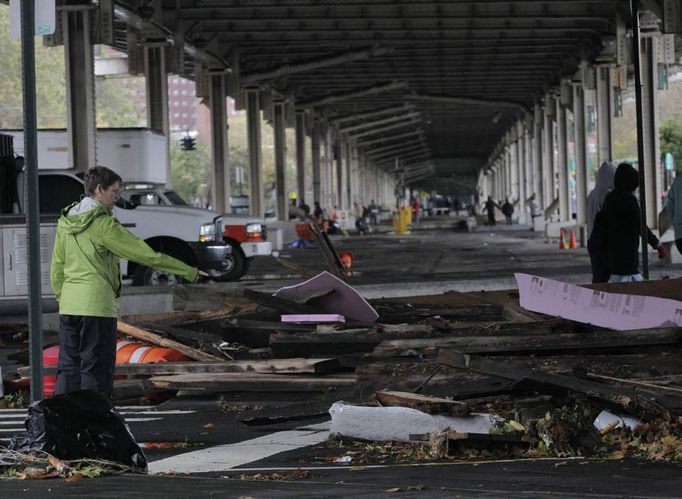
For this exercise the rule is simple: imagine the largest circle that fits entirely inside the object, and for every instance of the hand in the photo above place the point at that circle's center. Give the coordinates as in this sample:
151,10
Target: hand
662,252
201,275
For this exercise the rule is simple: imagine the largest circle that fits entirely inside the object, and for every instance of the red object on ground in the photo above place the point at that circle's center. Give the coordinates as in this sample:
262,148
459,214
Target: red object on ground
346,258
127,352
571,241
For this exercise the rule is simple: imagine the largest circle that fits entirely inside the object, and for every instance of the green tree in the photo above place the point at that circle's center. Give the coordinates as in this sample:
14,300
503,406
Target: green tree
191,173
670,132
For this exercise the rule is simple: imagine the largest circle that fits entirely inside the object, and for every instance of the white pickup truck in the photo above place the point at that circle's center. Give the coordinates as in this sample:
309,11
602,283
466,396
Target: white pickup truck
246,234
161,217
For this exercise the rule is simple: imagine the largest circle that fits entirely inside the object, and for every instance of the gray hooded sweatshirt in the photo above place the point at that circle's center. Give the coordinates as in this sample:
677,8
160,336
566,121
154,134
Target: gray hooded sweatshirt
595,199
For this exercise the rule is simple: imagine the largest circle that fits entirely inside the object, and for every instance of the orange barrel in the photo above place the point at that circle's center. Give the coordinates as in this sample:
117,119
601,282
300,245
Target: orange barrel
128,352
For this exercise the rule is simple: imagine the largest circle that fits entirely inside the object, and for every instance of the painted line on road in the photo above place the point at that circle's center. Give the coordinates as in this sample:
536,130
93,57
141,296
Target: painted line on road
226,457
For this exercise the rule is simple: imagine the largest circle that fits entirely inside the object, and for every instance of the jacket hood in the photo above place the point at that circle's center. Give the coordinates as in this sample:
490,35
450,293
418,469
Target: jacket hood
605,176
78,216
626,178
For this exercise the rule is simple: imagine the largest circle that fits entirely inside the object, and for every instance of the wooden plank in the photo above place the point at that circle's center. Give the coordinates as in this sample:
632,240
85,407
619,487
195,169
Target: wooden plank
274,366
640,401
474,438
182,318
424,403
280,414
155,339
595,340
248,382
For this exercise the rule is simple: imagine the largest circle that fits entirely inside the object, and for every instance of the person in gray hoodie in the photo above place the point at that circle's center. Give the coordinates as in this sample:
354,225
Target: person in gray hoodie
595,201
673,205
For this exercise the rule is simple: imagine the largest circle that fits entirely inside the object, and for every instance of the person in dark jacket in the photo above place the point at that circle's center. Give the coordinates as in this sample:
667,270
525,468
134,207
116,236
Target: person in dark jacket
623,227
508,210
490,206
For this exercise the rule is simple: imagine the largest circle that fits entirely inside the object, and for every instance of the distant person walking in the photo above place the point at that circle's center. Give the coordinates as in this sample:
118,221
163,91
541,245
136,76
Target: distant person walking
490,206
373,213
508,211
86,280
596,247
623,227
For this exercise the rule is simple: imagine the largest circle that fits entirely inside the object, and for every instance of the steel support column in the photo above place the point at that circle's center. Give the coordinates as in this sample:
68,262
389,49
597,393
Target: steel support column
548,168
219,145
538,171
300,154
650,132
156,83
81,127
280,160
521,170
257,197
562,163
315,151
349,175
339,151
580,156
604,77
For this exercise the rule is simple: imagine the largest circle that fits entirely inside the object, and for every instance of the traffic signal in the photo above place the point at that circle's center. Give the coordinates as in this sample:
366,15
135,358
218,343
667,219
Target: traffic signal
188,143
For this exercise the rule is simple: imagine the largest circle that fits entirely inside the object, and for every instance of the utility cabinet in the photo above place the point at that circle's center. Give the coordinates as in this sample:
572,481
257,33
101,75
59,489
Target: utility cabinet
14,258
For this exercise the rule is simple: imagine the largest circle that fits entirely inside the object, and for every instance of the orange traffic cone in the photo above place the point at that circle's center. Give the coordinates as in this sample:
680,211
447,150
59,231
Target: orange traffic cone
346,258
571,240
562,239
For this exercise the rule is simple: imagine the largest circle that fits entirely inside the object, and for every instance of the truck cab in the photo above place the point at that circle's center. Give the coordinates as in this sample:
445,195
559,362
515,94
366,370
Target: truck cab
246,234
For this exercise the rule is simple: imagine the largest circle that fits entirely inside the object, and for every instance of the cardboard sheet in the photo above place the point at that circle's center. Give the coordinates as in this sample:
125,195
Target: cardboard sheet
613,310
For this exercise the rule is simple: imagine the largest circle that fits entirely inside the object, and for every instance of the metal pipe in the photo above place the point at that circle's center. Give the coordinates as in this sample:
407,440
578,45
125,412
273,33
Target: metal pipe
634,14
28,69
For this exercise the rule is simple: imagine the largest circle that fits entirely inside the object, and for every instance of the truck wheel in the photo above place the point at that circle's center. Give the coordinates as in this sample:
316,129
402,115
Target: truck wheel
144,276
235,268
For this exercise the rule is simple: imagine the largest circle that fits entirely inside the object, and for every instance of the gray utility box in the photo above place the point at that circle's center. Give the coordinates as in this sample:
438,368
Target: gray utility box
14,257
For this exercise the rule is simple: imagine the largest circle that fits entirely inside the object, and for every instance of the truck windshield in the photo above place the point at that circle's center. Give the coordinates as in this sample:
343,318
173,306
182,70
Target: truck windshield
174,198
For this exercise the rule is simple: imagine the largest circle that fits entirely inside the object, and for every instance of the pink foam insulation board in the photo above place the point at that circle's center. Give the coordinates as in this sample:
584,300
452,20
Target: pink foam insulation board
343,301
612,310
312,318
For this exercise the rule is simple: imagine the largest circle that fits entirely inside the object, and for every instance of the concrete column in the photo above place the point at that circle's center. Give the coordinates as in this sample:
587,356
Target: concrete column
315,149
280,160
257,196
300,154
81,126
562,164
521,169
219,146
580,155
548,169
604,77
650,132
340,149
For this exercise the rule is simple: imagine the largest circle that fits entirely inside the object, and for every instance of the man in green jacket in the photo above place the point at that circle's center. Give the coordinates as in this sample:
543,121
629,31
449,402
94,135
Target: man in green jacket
86,280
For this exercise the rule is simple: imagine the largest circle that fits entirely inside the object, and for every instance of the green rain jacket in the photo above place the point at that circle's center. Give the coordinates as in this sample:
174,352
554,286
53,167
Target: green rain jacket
85,273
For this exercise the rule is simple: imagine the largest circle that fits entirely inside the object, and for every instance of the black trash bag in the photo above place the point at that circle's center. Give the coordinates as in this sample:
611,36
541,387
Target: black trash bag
80,425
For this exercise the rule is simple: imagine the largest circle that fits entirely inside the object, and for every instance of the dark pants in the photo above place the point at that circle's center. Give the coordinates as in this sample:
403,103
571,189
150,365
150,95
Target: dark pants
678,244
600,263
87,354
491,218
509,219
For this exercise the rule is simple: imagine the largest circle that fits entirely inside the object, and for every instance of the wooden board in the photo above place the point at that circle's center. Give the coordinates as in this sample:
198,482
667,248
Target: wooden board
595,340
274,366
424,403
645,403
155,339
248,382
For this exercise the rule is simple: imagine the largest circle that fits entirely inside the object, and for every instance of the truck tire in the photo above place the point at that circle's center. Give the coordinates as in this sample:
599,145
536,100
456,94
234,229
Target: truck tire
240,265
145,276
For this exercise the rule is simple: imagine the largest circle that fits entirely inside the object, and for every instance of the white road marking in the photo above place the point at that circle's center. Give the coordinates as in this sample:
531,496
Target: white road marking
225,457
12,430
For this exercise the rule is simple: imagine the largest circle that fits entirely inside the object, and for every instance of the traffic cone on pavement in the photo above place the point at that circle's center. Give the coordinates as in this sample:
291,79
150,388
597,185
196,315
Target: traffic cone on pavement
562,238
571,241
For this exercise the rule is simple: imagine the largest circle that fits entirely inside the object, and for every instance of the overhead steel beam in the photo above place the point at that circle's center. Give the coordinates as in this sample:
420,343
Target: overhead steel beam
410,142
384,129
451,99
390,138
383,121
398,149
371,114
374,89
302,67
134,20
400,153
